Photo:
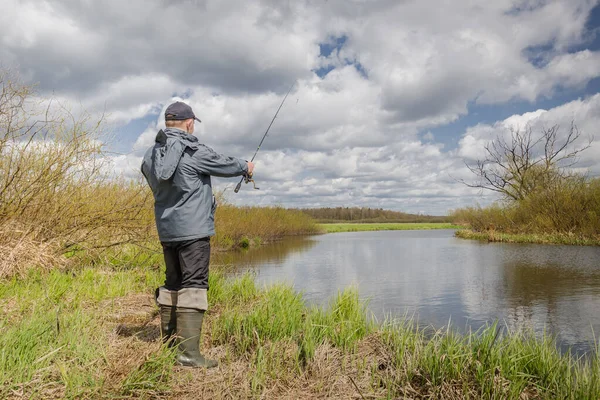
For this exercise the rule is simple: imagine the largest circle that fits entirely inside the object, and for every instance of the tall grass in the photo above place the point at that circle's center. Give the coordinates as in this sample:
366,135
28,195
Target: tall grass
273,329
56,329
245,226
565,212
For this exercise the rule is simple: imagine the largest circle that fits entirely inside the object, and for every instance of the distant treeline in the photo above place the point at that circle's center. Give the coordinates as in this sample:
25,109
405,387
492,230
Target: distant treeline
365,214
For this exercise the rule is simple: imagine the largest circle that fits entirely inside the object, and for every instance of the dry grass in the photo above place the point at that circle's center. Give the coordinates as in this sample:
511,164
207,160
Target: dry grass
332,374
19,252
134,338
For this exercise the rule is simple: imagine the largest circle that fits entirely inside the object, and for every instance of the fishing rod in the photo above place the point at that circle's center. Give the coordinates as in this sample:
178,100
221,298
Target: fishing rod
248,177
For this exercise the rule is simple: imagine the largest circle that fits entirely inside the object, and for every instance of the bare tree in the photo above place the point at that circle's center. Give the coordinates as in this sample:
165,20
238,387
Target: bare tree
525,162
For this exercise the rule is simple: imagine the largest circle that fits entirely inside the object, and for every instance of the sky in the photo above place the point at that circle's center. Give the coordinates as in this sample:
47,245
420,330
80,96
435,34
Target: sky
390,98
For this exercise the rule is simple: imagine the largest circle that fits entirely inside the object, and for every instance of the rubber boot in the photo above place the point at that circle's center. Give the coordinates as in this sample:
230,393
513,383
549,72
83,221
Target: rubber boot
168,325
189,329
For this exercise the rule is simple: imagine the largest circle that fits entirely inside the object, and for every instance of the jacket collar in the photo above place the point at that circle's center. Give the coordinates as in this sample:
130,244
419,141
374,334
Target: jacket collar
175,133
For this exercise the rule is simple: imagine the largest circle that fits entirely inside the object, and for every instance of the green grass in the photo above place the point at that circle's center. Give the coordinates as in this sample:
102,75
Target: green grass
548,238
350,227
482,364
58,340
53,328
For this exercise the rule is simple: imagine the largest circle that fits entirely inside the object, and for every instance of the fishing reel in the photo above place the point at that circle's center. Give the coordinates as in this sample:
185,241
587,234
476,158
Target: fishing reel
246,178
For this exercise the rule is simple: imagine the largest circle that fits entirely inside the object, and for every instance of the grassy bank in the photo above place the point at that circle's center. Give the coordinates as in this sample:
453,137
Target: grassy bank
565,212
549,238
354,227
330,215
251,226
93,333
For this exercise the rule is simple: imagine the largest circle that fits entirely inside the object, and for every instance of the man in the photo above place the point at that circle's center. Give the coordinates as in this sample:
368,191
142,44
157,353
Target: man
178,170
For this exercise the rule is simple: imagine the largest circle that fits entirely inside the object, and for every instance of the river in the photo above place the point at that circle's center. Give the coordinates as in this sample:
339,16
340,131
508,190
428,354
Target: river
439,279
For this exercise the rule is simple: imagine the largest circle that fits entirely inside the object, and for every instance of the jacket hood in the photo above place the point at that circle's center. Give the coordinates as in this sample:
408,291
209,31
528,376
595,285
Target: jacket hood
170,143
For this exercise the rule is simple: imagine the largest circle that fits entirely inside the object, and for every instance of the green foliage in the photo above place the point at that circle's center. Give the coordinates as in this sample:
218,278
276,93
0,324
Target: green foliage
50,347
244,243
489,363
276,314
52,327
279,313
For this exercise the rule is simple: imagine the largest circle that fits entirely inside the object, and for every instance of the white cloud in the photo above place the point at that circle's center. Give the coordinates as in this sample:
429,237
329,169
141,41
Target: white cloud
585,114
354,137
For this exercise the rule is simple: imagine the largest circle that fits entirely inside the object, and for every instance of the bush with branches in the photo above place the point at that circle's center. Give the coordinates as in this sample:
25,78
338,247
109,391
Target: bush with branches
56,192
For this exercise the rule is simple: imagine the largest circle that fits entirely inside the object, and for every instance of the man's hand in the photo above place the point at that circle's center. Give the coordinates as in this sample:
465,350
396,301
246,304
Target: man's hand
250,168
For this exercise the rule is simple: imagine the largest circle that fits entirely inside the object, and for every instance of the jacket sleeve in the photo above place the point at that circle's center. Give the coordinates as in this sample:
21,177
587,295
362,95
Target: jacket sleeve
211,163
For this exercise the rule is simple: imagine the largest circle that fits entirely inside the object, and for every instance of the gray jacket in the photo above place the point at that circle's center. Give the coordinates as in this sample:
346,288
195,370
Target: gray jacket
178,170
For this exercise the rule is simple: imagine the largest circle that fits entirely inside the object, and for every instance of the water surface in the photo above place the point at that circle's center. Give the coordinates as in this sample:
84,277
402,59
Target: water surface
439,278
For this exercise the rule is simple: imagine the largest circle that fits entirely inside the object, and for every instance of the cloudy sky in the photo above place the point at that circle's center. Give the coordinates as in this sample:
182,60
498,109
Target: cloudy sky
390,97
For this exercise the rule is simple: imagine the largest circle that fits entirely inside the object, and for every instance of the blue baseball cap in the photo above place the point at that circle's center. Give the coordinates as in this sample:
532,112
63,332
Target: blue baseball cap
179,111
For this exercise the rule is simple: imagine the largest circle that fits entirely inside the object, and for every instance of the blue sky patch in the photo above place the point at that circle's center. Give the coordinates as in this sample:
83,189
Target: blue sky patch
129,133
451,133
335,44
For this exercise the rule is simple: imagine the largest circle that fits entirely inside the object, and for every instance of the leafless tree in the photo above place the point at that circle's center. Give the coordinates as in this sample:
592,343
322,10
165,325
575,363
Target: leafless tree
525,162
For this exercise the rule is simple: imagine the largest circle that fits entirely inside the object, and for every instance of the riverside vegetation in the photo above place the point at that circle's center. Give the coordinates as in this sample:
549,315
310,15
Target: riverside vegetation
386,226
80,261
367,215
564,213
543,199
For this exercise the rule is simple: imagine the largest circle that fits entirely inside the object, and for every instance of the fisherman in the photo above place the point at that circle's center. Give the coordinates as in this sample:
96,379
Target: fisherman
178,170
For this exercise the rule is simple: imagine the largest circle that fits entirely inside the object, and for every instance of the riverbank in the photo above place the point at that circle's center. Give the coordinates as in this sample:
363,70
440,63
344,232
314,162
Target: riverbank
565,212
551,238
358,227
93,332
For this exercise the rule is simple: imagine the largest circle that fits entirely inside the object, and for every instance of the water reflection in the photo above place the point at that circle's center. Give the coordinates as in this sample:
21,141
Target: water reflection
562,297
439,278
272,253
